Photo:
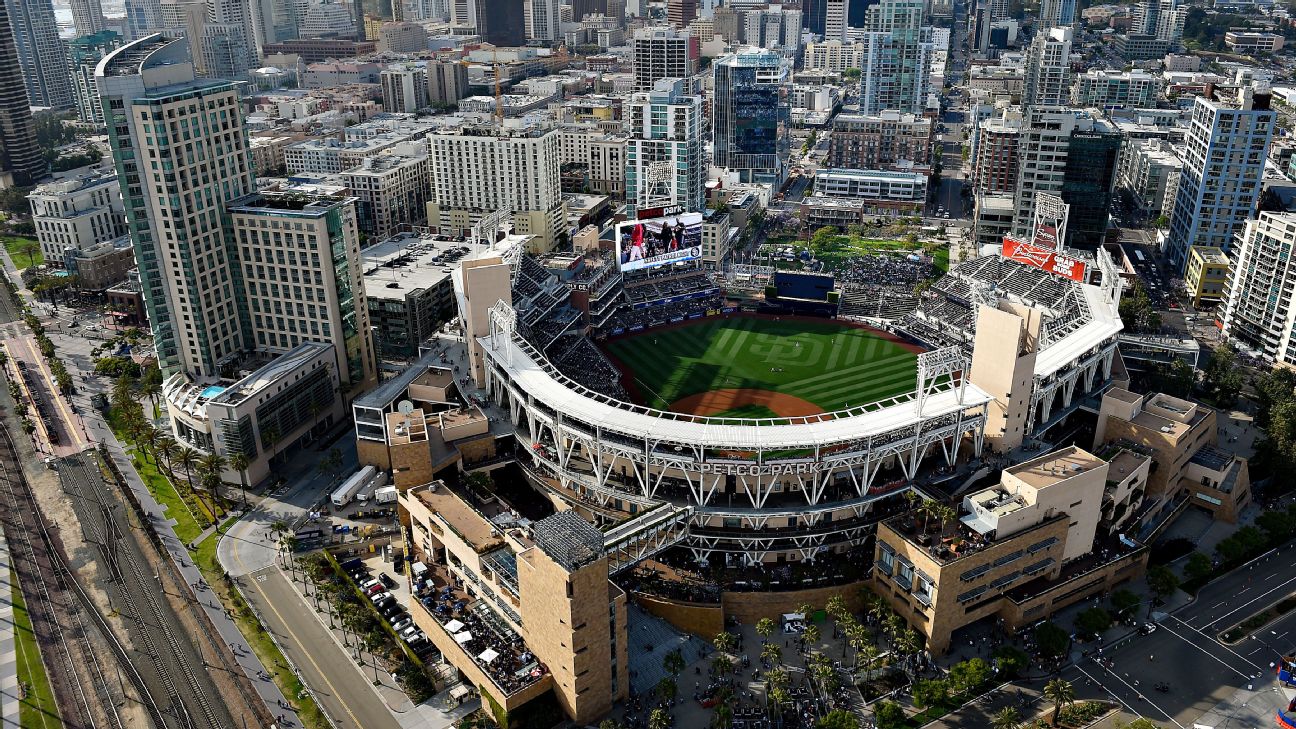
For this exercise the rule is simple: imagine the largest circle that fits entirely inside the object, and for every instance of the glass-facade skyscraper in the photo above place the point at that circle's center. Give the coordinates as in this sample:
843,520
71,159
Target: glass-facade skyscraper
751,115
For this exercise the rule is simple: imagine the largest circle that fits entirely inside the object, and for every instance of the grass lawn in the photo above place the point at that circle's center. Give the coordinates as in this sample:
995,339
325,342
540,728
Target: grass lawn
15,244
189,523
38,710
825,363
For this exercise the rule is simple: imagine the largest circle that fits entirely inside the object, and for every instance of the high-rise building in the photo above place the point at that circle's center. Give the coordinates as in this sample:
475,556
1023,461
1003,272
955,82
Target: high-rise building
1057,13
541,21
404,87
85,53
391,189
21,161
188,266
1161,19
979,27
751,116
275,21
185,19
447,82
402,36
663,52
87,16
142,18
994,165
1260,310
41,53
327,20
1048,69
228,41
895,72
1104,89
500,22
1071,153
1224,158
680,13
581,8
479,170
814,13
665,163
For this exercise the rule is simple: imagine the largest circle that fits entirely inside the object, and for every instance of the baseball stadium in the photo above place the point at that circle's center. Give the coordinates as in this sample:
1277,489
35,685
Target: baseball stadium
770,417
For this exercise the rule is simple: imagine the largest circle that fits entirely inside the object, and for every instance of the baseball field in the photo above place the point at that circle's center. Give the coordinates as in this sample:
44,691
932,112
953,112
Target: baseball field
753,367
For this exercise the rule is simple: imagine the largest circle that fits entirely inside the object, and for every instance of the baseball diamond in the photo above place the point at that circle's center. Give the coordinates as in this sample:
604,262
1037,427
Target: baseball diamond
785,366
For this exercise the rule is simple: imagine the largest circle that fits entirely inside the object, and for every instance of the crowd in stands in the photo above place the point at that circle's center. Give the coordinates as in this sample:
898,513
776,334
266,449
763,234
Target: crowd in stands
654,290
656,315
583,362
885,270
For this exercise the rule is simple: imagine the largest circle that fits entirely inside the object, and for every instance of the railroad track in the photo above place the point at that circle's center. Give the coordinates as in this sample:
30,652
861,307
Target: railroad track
52,606
191,701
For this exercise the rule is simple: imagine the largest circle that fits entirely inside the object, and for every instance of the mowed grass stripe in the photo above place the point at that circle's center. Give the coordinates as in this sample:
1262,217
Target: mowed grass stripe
717,354
887,364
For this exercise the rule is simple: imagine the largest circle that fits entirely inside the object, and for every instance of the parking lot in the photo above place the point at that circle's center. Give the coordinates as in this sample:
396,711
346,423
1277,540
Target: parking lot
384,583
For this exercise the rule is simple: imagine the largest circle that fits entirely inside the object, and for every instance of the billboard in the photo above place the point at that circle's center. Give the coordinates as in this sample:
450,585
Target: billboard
659,241
1045,258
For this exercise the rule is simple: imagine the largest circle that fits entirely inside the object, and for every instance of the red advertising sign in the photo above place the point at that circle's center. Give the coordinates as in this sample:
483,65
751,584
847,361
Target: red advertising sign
1045,258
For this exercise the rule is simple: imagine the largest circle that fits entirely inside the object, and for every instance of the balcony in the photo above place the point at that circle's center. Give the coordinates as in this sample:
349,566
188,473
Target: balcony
485,639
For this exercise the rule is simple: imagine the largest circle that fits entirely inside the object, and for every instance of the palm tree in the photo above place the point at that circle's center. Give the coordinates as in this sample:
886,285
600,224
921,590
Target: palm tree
725,641
1007,718
772,652
122,388
166,450
213,465
810,638
866,655
188,458
150,439
765,628
240,462
1061,693
928,509
946,514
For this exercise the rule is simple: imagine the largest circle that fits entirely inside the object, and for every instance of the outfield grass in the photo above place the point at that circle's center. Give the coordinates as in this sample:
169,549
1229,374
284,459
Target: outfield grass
38,710
15,244
830,365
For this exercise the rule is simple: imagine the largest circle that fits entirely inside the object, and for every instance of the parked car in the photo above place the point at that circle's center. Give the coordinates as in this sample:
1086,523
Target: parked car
386,579
379,596
403,624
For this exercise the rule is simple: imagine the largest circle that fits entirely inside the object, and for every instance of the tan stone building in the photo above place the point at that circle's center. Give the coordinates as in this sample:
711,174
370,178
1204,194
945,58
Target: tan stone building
1019,551
540,622
1181,437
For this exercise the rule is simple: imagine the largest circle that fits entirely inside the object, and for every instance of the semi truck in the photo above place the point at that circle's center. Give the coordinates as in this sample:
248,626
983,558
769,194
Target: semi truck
343,494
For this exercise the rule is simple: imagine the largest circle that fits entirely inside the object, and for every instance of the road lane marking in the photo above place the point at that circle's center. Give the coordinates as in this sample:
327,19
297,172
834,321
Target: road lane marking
1212,655
1110,693
1252,600
302,647
1139,694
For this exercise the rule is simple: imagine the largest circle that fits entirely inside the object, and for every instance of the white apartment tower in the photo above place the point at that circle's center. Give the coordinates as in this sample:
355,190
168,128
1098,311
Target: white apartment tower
1048,69
404,88
665,164
1224,158
1260,310
42,55
540,21
479,170
662,52
894,73
77,213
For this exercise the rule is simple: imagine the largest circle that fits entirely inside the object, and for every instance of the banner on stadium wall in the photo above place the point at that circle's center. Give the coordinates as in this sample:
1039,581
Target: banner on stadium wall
697,315
729,309
618,330
676,319
1045,258
636,327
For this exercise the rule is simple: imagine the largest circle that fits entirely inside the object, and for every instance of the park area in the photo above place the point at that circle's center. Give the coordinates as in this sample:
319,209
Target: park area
762,367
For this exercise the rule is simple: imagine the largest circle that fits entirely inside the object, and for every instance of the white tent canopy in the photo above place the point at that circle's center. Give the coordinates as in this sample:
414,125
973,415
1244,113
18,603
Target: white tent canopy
454,626
488,655
463,637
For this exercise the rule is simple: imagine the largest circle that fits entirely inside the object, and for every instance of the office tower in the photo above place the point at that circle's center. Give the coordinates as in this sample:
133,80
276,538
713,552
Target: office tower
1057,13
41,53
751,116
895,72
1224,159
814,14
1048,69
275,21
500,22
228,40
999,10
834,20
774,28
327,20
541,21
87,16
979,27
478,170
402,36
680,13
186,262
142,18
1071,153
85,53
665,164
663,52
447,82
1260,308
21,162
581,8
185,19
404,87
